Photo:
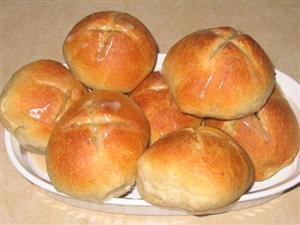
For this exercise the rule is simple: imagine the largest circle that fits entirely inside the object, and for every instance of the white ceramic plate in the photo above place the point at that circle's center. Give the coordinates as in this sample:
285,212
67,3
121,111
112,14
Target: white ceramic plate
32,167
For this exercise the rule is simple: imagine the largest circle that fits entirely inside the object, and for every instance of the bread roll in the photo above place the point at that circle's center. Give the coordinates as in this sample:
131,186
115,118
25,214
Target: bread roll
110,50
270,137
93,150
220,73
194,170
154,97
34,99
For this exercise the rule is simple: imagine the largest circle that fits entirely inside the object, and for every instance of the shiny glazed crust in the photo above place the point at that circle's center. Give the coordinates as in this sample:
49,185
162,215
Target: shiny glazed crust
220,73
93,150
110,50
35,98
271,137
194,170
154,97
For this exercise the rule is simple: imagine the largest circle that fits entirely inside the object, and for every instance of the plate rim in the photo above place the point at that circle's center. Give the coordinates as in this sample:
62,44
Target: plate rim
135,202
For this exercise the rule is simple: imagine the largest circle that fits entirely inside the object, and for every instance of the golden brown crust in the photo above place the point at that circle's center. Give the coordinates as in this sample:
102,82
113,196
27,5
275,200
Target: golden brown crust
110,50
270,137
154,97
35,98
92,152
220,73
195,170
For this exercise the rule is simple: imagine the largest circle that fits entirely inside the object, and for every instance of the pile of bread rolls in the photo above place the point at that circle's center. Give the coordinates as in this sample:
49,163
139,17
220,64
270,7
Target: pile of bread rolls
194,136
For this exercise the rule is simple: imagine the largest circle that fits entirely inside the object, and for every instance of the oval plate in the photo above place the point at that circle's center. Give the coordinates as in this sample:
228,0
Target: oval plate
32,167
